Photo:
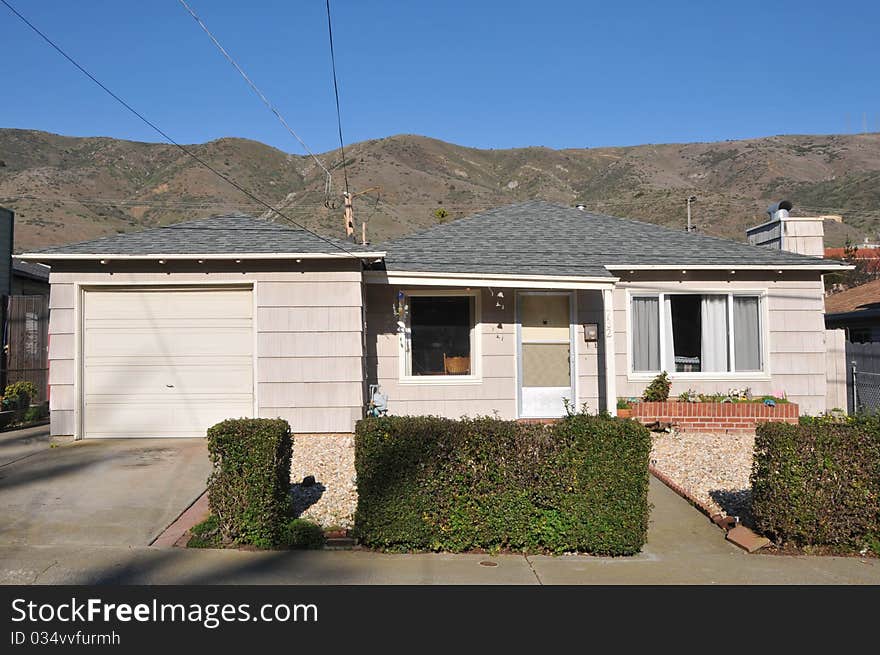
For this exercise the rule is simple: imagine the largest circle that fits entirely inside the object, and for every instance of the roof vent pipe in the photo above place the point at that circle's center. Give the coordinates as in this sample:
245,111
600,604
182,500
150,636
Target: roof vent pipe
779,210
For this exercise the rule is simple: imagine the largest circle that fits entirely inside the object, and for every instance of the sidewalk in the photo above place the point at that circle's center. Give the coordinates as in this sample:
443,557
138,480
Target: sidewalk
683,548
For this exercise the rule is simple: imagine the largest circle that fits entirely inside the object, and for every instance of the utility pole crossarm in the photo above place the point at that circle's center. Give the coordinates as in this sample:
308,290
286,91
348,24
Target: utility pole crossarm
690,227
348,213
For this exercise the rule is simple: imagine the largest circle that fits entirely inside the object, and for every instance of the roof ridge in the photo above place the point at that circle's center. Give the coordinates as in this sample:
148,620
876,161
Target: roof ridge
558,206
458,221
222,231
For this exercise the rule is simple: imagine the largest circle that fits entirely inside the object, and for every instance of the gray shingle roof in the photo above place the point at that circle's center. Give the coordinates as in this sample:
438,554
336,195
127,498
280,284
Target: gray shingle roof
542,238
232,234
30,269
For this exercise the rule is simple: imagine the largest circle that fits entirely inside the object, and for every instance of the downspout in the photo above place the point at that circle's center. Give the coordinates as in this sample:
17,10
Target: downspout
608,329
364,385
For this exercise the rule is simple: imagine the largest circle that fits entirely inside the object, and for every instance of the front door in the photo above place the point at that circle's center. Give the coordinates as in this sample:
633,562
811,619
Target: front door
545,353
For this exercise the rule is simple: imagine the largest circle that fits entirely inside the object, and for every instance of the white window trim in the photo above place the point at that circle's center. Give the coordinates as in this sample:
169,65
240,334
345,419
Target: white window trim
405,344
707,376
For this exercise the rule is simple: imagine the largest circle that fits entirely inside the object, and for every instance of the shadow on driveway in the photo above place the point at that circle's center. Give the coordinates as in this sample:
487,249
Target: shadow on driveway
18,444
107,492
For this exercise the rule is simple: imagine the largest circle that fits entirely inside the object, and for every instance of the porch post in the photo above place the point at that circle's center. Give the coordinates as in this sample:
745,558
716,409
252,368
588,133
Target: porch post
610,377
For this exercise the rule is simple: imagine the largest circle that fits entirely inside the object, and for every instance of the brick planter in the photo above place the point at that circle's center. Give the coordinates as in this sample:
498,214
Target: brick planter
714,417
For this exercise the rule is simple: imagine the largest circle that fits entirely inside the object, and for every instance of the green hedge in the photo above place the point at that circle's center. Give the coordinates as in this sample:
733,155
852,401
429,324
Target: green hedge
818,483
428,483
249,486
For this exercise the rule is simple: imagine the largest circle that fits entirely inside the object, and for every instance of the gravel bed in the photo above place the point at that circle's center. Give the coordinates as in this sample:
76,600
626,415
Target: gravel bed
331,501
713,467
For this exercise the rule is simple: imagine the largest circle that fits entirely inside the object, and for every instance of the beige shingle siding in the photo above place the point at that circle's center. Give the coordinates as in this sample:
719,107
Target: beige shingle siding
309,339
796,340
496,390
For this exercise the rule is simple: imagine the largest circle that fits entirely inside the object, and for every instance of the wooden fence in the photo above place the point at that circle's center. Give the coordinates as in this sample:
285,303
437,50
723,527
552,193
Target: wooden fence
27,342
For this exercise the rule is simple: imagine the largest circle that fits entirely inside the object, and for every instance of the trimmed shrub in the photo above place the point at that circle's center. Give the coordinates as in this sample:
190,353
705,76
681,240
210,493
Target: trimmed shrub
818,483
299,533
429,483
249,485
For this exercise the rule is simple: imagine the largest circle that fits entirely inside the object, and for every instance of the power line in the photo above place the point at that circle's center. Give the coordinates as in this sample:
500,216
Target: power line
159,131
172,204
131,202
336,92
260,95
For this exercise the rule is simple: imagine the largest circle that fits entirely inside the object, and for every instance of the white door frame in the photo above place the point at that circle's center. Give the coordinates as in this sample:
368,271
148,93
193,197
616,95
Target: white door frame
572,357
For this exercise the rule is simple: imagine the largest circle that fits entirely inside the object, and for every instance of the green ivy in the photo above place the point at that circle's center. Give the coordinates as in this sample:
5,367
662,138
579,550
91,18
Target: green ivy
428,483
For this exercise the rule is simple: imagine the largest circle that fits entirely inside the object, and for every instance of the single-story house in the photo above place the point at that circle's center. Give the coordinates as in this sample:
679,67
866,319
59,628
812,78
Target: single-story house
515,312
857,311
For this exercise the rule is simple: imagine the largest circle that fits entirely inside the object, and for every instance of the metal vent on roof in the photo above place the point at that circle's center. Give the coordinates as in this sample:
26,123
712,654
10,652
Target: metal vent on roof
779,210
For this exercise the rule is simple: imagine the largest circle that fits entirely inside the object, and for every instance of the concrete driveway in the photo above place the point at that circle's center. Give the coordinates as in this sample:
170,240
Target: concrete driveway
18,444
107,492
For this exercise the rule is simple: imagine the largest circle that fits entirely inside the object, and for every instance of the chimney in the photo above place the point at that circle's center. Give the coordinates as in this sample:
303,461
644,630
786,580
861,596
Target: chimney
804,235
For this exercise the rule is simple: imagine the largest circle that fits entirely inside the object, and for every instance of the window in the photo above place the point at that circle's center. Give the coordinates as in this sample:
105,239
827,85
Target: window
440,335
696,333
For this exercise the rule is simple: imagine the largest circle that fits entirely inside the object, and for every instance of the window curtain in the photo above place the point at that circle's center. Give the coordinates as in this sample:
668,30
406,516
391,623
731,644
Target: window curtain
713,337
747,335
669,338
646,334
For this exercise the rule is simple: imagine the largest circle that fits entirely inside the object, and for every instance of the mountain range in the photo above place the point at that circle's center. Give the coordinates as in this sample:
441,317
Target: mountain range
66,189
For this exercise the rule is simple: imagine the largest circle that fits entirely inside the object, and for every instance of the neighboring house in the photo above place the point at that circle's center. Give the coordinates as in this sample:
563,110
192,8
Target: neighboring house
29,278
857,311
163,332
869,254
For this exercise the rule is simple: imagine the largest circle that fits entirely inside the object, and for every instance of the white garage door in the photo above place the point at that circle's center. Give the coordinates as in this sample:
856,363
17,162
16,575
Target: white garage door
166,362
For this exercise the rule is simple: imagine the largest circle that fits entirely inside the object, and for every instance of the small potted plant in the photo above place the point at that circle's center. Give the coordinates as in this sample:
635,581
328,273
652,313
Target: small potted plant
624,408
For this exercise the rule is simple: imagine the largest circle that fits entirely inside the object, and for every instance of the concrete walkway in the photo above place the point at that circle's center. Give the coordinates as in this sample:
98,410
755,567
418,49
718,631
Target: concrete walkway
683,548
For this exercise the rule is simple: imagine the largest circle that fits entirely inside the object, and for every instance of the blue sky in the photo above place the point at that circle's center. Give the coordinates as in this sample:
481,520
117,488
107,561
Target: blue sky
483,74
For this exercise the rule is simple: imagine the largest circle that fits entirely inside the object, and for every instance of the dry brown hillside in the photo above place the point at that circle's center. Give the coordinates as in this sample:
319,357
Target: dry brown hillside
68,189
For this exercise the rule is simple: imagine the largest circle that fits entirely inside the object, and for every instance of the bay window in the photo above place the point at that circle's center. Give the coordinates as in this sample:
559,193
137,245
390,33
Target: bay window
696,333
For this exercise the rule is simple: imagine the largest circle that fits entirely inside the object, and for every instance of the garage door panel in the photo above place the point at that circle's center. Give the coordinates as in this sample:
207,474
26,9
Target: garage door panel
173,304
160,418
183,379
166,362
205,341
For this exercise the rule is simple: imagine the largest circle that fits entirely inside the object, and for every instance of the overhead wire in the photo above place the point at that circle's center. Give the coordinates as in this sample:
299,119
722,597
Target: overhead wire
336,93
261,96
163,134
